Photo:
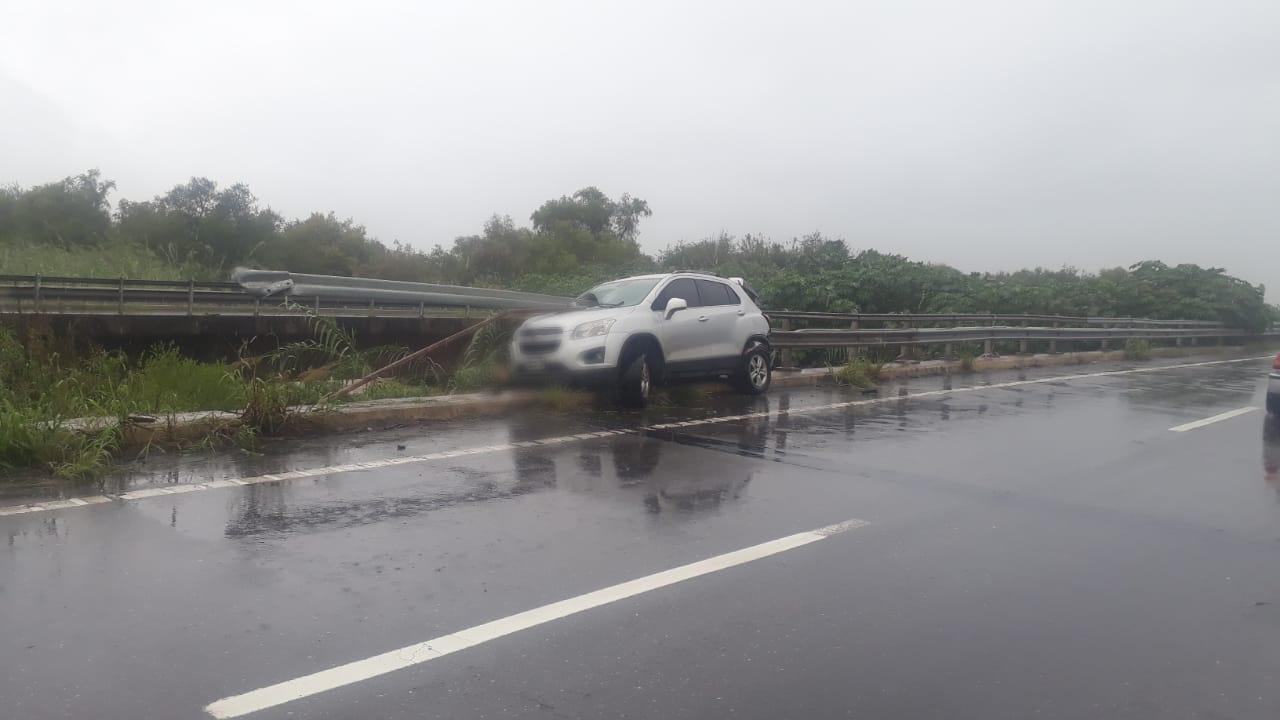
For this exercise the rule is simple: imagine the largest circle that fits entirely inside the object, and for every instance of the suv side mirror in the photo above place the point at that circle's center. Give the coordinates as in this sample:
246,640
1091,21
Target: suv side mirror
675,305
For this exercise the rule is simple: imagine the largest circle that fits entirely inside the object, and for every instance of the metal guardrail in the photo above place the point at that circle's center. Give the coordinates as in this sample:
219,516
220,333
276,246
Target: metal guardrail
268,292
930,336
988,319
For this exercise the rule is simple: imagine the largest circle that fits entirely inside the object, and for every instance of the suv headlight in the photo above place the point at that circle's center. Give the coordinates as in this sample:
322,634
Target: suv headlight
592,329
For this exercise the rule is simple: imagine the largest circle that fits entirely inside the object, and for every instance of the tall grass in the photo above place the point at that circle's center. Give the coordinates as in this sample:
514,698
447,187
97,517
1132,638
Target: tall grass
111,259
860,373
41,390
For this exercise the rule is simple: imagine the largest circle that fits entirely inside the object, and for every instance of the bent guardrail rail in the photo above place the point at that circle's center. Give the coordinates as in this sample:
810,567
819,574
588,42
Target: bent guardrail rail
260,292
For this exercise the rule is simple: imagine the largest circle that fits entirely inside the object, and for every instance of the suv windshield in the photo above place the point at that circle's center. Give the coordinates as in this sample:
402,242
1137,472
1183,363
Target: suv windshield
619,293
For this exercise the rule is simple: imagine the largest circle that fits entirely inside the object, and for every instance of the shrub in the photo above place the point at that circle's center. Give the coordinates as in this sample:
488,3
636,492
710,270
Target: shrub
1137,349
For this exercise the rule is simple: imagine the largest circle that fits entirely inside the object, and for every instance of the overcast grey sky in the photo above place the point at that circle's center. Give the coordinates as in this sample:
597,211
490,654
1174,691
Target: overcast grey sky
986,135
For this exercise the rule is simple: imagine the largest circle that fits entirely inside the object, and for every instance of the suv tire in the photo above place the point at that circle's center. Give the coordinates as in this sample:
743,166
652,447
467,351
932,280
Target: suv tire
756,372
636,381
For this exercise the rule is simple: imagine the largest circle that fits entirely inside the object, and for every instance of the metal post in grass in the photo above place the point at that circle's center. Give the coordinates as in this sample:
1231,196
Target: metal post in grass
37,304
191,297
120,297
424,352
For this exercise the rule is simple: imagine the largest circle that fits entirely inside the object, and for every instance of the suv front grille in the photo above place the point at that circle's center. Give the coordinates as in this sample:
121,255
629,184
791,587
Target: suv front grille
540,331
539,347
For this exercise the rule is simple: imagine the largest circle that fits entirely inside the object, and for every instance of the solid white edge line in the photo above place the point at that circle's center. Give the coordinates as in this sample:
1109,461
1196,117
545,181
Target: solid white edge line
353,672
336,469
1211,420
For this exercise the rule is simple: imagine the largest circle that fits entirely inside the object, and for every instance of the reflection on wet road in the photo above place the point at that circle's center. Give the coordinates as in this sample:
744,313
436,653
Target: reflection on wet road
1044,549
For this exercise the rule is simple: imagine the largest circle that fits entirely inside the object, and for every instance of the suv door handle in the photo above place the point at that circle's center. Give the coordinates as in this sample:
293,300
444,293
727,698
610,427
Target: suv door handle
702,318
741,313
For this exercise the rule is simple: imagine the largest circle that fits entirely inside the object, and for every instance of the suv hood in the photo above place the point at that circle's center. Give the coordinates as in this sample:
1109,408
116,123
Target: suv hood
569,319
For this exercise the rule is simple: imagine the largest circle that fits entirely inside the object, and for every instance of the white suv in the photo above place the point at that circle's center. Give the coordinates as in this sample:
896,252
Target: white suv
632,333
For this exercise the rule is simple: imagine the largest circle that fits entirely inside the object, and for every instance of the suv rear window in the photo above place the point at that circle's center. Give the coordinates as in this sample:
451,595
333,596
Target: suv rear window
678,288
716,293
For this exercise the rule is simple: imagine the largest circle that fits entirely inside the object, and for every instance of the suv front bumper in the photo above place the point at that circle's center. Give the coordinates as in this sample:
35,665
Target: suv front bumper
589,361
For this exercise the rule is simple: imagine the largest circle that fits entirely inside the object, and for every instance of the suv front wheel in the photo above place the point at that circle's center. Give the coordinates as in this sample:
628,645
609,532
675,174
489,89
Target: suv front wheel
756,373
636,381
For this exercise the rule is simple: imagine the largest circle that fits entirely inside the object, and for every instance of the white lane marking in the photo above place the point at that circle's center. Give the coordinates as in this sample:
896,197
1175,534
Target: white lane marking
1216,418
389,462
353,672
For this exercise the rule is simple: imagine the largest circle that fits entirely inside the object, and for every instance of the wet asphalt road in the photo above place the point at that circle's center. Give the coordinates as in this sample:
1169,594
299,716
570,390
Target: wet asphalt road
1048,550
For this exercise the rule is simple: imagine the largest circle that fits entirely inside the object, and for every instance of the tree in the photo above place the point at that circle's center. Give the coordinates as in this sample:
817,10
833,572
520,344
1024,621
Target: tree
196,220
71,212
321,244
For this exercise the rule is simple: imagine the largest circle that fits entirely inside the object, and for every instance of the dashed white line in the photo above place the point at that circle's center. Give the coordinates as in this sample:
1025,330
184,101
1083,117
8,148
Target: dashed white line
353,672
390,462
1216,418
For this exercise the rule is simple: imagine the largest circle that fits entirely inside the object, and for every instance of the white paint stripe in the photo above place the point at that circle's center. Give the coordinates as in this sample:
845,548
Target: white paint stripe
336,469
1216,418
353,672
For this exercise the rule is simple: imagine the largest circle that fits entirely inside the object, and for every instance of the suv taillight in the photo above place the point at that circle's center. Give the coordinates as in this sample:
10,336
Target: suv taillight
1276,365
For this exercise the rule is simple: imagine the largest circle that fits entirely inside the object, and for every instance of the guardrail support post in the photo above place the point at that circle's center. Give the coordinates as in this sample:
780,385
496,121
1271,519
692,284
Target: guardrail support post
987,348
120,297
421,308
1103,345
317,304
37,294
787,358
370,307
946,351
191,297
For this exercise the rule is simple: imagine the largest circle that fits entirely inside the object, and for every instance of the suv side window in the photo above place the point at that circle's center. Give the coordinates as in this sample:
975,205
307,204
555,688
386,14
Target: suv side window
716,293
678,288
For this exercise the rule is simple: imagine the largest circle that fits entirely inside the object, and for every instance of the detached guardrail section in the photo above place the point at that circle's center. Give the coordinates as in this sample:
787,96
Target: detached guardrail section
255,292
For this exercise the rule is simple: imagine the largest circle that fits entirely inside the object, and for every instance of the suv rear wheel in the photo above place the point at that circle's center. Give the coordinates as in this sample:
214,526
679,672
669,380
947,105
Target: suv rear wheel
756,372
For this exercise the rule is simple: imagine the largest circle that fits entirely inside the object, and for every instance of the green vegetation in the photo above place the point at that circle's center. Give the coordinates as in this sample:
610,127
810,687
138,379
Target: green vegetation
1136,349
967,360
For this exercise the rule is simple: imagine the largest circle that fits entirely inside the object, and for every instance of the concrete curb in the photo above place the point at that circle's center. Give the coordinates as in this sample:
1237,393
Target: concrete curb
895,370
193,427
